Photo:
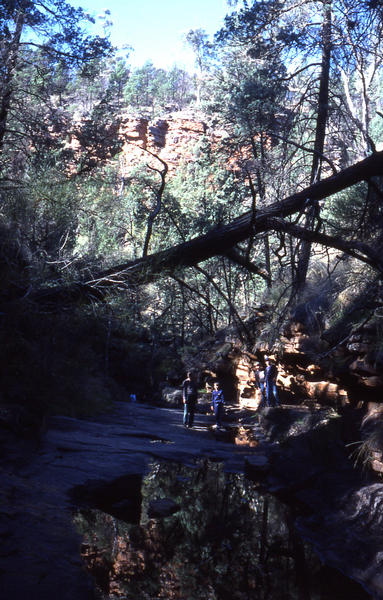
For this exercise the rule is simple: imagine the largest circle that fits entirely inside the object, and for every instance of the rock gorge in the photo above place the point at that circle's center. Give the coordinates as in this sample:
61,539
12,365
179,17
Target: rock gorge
312,370
171,138
347,378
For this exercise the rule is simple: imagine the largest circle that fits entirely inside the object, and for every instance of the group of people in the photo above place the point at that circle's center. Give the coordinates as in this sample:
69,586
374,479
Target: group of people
264,379
189,396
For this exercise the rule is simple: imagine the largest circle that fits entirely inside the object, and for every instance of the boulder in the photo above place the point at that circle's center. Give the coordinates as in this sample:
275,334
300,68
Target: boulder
323,390
280,425
371,449
172,397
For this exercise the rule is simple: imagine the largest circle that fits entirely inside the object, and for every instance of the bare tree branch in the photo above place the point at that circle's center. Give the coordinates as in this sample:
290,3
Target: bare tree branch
243,261
157,208
306,149
359,250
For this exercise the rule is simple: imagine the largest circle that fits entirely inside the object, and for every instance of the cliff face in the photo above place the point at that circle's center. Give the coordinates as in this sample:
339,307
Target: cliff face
171,139
136,139
351,373
308,371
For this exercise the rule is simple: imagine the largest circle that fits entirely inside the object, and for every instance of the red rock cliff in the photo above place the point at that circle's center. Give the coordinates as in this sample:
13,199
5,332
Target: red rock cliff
172,139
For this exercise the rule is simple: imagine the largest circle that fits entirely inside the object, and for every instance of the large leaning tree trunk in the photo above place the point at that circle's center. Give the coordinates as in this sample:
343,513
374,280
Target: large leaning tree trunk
219,241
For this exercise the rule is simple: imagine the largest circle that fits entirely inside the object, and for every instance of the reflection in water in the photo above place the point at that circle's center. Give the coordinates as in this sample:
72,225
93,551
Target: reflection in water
216,537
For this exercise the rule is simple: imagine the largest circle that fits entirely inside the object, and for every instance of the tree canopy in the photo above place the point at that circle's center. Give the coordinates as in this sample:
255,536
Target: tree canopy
280,199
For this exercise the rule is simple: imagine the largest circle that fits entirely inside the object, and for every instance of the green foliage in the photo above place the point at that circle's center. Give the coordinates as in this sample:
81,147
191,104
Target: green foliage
204,193
67,210
157,88
57,24
118,79
354,210
202,48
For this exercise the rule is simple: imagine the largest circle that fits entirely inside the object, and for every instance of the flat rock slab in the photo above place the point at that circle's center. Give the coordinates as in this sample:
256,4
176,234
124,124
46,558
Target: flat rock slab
40,549
100,462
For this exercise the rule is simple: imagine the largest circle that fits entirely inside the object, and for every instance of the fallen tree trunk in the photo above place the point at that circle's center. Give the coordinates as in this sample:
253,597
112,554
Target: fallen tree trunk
217,241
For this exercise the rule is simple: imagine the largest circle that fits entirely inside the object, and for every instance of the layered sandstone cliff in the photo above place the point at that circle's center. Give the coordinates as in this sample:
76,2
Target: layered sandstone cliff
138,140
172,139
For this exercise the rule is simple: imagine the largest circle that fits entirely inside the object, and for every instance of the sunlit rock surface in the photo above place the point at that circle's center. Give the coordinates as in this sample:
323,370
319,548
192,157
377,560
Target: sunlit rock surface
173,138
138,139
350,372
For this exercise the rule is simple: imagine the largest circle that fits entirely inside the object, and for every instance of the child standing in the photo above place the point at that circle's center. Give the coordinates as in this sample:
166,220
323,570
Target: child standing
217,402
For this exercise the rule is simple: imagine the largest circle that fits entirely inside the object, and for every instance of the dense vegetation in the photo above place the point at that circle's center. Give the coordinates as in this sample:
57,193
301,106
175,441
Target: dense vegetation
90,295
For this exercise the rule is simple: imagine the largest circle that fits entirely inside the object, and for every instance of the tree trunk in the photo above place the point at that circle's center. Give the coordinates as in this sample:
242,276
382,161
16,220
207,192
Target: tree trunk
10,62
320,134
216,242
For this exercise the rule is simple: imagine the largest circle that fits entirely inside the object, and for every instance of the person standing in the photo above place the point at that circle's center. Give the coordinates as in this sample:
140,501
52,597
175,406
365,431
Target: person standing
189,396
259,380
217,404
271,374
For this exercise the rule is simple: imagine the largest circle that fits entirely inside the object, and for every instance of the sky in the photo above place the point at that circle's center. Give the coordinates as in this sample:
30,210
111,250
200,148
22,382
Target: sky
155,28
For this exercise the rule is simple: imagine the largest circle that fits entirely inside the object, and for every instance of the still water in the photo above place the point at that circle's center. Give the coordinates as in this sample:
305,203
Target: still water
198,533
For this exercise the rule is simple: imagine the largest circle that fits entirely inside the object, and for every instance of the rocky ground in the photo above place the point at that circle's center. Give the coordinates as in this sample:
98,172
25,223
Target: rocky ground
39,556
294,452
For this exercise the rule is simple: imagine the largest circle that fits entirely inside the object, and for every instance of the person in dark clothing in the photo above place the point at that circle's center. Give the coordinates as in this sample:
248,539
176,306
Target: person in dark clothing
217,403
189,396
271,374
259,380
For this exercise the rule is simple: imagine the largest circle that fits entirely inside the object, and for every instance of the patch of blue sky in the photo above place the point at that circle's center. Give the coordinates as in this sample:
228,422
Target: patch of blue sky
155,29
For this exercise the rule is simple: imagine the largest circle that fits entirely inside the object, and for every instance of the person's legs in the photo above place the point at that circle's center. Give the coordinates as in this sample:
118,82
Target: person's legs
275,394
269,394
221,413
218,413
186,414
263,394
191,414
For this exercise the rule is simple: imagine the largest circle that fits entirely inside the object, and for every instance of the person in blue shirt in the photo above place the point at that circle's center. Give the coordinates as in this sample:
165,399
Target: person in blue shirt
271,374
259,379
217,403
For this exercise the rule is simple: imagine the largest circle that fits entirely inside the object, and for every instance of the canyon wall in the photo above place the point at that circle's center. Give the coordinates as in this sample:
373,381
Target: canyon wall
138,140
171,139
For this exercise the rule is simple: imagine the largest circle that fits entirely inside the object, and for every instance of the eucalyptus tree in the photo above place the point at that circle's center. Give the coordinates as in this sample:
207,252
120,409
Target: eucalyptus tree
47,53
198,40
248,96
358,58
154,88
179,88
205,194
142,87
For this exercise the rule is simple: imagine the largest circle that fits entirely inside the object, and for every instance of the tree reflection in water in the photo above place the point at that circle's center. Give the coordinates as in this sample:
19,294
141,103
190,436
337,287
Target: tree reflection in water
226,541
